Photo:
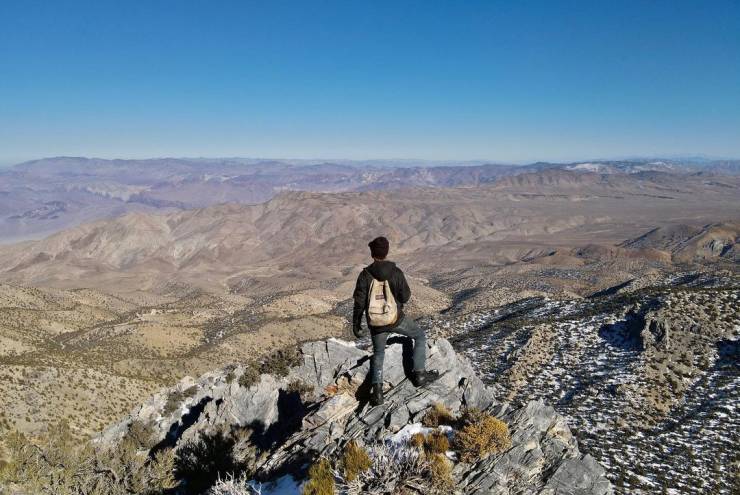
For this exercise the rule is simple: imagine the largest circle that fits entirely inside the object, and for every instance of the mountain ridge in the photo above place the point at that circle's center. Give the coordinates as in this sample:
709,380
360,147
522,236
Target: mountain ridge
296,227
42,196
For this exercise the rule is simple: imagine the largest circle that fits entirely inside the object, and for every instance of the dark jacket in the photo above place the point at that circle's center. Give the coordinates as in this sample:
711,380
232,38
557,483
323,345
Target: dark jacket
380,270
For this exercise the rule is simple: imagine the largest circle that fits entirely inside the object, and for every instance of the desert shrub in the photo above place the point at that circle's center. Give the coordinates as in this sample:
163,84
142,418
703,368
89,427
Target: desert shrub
230,485
440,469
174,400
57,465
3,452
355,460
480,436
124,469
436,443
394,469
230,373
245,452
161,471
19,464
203,460
279,362
249,377
301,388
141,434
320,479
437,415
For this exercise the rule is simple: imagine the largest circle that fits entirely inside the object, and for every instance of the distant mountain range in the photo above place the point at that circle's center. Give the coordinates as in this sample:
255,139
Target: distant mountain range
511,218
41,197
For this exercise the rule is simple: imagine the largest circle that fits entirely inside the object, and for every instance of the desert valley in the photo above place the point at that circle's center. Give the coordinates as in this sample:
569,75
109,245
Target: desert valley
608,289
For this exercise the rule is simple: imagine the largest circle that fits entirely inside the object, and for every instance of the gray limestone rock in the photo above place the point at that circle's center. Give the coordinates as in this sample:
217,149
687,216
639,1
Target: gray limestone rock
291,430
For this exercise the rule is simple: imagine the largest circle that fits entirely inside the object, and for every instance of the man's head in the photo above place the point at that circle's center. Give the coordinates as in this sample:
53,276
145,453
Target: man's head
379,248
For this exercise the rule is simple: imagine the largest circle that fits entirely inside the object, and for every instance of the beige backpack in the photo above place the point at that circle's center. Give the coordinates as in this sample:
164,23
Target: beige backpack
381,309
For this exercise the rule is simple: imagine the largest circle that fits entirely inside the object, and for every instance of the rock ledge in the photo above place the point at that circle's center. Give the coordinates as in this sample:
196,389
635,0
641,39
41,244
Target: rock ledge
321,404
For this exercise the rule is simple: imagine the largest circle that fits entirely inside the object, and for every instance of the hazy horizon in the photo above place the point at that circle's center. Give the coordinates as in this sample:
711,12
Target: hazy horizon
398,161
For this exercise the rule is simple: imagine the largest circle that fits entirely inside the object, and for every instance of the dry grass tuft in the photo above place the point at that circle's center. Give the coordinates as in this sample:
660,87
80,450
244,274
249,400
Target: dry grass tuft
481,435
320,479
437,415
355,460
436,443
417,440
440,468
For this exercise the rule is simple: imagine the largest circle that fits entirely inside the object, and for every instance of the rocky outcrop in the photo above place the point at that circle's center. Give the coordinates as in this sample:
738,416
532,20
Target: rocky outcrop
656,331
321,404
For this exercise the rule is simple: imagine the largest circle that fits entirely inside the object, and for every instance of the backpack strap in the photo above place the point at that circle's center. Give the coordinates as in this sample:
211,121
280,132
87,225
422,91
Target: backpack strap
369,285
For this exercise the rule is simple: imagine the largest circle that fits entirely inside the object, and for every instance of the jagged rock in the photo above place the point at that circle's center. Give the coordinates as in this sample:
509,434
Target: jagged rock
578,476
656,332
292,431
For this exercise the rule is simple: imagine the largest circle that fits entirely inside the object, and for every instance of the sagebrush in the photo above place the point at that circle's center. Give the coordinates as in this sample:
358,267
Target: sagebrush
57,465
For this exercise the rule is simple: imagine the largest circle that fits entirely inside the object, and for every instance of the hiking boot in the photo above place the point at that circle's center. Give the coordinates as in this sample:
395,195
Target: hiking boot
423,377
376,395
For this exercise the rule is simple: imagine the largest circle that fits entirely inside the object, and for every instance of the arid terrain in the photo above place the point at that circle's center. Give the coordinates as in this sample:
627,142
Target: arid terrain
608,290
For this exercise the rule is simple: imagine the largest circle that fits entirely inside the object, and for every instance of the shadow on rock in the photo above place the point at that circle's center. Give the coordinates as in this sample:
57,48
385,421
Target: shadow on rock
291,411
407,353
623,334
178,427
362,394
201,462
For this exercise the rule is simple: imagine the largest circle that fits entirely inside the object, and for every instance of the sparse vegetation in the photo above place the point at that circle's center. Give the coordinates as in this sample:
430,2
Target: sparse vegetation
117,351
301,388
355,460
480,436
438,415
436,443
249,377
204,460
279,362
440,469
320,479
58,465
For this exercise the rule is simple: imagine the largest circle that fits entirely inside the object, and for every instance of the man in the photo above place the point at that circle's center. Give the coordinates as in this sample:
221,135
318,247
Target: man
377,273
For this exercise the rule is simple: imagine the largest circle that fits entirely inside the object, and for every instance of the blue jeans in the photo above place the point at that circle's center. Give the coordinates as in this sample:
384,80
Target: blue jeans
409,328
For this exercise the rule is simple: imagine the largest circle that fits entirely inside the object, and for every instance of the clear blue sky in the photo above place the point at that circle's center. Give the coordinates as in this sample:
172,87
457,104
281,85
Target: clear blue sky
506,81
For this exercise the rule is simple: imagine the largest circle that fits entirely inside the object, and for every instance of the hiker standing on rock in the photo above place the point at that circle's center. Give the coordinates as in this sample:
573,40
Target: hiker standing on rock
381,292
